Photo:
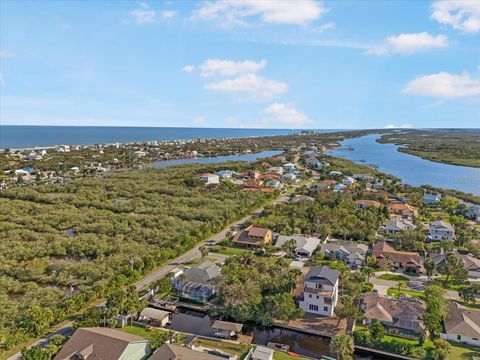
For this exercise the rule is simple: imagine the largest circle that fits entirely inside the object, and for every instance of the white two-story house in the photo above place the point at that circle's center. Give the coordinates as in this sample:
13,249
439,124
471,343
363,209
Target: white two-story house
440,230
320,291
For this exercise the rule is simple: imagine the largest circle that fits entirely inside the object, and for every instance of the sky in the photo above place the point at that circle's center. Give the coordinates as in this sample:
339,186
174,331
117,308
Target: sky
241,63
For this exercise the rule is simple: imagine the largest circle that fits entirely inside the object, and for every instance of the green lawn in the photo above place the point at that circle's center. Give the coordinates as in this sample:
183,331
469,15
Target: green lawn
226,250
413,293
279,355
394,277
451,285
231,348
139,331
460,352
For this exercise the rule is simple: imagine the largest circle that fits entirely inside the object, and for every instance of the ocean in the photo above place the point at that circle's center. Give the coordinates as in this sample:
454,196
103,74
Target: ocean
18,137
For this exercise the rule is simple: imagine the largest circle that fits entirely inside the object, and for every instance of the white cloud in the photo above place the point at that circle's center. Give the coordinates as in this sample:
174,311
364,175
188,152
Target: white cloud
238,12
168,14
250,84
144,14
463,15
199,120
409,44
5,54
188,68
288,115
403,126
327,26
444,85
213,67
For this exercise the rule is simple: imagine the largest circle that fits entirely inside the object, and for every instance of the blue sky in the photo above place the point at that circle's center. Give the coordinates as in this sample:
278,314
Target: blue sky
241,63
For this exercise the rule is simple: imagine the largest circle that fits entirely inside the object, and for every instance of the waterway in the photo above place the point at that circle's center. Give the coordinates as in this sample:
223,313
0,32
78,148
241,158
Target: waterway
412,169
217,159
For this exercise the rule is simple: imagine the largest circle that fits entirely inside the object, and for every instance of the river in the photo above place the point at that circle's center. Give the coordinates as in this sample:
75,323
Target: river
217,159
412,169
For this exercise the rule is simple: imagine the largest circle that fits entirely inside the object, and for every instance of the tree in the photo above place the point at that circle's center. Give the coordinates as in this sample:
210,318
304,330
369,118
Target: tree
429,266
204,252
469,293
278,307
436,309
377,330
289,247
442,349
453,267
386,263
342,346
347,310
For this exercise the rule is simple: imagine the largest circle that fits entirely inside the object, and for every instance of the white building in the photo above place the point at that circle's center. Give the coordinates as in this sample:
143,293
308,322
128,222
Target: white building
304,245
226,174
395,226
262,353
314,163
208,178
431,198
348,181
289,177
320,292
462,325
290,168
275,170
440,230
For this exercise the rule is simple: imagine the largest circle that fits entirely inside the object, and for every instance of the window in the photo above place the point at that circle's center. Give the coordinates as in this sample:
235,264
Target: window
325,308
459,337
313,307
310,296
327,301
318,286
318,297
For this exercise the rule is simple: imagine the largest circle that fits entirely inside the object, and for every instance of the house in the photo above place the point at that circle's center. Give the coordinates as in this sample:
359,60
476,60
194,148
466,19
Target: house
301,198
139,154
269,176
226,329
462,325
304,245
365,204
274,184
175,352
208,178
253,237
289,177
34,156
197,283
363,177
191,324
262,353
473,213
320,291
335,173
470,263
402,317
104,343
154,317
395,226
326,185
439,230
352,253
407,261
431,198
290,168
226,174
251,174
276,170
314,163
25,171
339,187
348,181
405,210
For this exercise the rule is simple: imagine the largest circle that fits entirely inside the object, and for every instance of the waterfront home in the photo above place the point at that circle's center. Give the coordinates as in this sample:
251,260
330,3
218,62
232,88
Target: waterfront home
34,156
469,263
304,245
363,177
226,329
104,343
406,261
209,178
365,204
320,291
175,352
275,170
395,226
191,324
462,325
289,178
402,317
440,230
348,181
262,353
253,237
197,283
431,199
251,174
405,210
154,317
352,253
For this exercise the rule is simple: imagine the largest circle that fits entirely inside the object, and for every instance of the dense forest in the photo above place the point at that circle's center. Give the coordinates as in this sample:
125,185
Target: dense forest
61,246
457,147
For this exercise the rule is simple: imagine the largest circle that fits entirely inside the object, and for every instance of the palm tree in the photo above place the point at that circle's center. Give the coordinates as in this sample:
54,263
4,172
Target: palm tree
342,346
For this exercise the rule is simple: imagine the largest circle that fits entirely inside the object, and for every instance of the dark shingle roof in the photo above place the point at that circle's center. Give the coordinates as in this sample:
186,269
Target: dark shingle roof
317,273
